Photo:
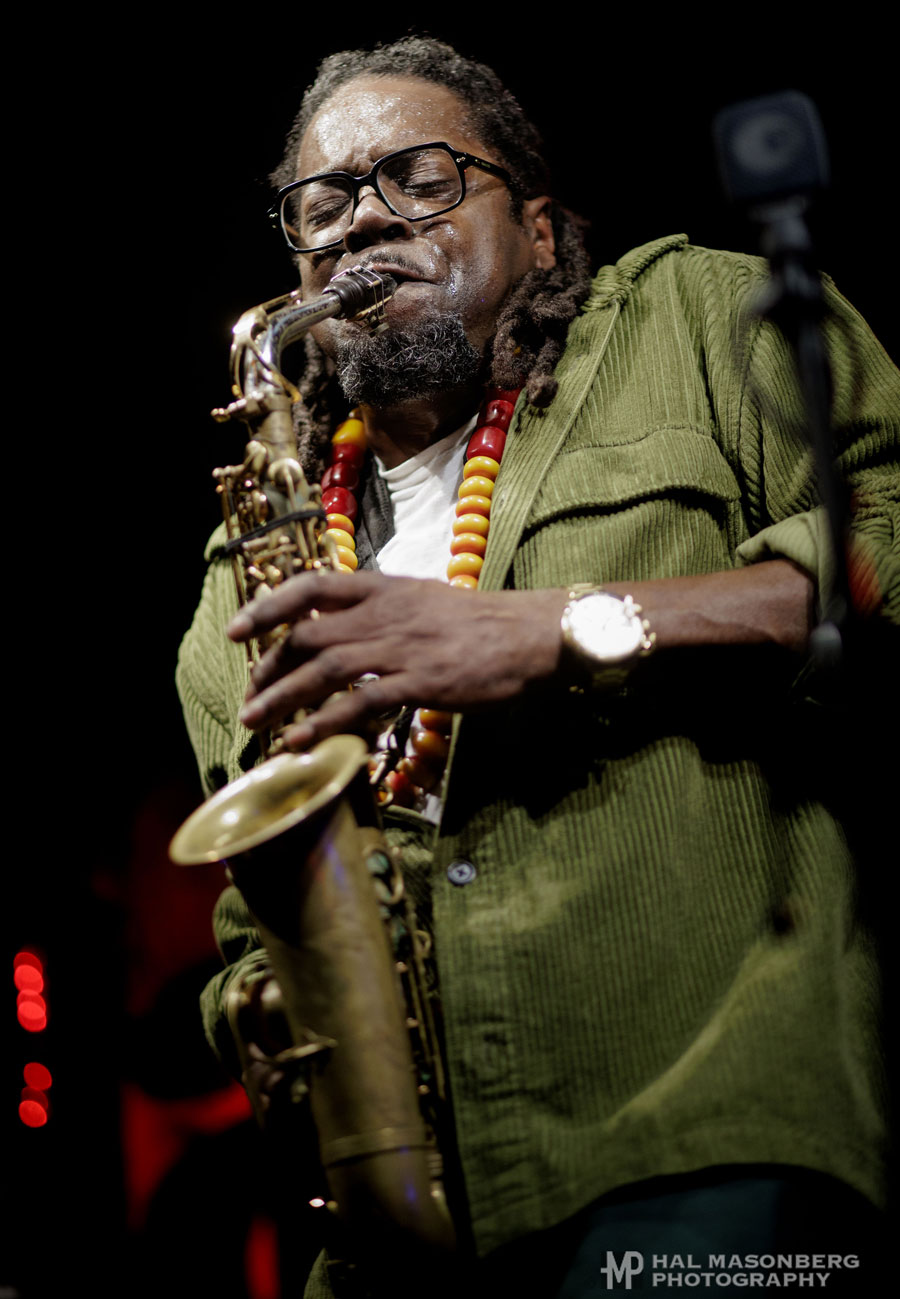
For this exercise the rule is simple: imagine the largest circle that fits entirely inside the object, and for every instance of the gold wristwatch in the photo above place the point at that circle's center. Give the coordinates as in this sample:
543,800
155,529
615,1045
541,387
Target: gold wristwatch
604,635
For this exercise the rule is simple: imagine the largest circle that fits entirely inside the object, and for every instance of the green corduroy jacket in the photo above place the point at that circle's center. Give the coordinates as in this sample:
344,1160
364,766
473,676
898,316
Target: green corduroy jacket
656,966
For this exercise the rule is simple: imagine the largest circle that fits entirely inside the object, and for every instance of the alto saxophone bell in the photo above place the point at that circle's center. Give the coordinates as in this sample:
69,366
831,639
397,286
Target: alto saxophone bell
282,793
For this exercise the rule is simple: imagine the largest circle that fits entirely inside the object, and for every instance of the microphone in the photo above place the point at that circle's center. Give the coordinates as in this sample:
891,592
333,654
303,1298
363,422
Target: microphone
771,149
773,161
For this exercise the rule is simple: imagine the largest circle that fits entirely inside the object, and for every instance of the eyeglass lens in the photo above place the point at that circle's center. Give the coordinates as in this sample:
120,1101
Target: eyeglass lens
416,184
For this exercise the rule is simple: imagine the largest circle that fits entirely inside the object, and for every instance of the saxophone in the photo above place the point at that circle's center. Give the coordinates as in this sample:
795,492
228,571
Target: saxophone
301,838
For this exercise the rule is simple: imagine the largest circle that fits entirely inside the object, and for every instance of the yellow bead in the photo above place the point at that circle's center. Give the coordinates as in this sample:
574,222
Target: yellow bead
477,485
465,582
347,558
468,541
341,537
482,465
436,721
345,568
474,505
352,430
430,744
471,523
341,521
464,565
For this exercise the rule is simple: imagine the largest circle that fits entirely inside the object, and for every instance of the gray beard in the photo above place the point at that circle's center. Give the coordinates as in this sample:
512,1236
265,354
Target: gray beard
401,364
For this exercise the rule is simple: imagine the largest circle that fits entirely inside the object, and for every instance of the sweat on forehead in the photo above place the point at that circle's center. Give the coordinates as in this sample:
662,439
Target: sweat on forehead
370,116
493,115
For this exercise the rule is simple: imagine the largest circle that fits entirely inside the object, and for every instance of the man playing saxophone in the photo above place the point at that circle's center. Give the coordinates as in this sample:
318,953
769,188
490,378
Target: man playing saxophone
586,551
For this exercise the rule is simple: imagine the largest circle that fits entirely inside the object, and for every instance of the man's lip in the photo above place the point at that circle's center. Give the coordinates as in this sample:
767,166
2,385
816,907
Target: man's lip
400,273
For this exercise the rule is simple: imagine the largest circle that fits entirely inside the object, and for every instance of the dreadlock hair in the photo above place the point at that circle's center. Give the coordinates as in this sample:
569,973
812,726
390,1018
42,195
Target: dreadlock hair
534,321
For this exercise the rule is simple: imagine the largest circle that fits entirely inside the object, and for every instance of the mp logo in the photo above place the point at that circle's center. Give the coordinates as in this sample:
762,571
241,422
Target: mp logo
632,1263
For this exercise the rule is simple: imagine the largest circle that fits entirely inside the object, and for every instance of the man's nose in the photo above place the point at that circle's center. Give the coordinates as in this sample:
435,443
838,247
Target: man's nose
374,223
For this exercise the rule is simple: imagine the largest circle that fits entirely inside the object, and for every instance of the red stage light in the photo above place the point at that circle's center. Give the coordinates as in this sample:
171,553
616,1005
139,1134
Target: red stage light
28,976
28,979
37,1075
35,1094
33,999
32,1114
28,958
32,1014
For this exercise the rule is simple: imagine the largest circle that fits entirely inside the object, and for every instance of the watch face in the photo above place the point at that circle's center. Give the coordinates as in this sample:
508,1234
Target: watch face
601,627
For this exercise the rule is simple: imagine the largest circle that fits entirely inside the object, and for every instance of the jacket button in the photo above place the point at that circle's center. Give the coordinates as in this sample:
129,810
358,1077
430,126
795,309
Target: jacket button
461,872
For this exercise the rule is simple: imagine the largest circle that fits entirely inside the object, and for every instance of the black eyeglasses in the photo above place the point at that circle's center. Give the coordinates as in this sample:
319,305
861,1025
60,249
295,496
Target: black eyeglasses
423,181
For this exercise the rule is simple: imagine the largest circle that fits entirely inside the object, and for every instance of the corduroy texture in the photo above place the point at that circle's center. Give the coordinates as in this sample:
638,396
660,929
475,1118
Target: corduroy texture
656,967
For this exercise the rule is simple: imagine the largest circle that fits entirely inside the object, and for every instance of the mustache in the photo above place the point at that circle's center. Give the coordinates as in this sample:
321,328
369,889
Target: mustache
398,260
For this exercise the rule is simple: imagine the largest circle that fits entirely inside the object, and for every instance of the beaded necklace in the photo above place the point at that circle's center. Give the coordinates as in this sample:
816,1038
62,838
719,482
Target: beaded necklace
429,741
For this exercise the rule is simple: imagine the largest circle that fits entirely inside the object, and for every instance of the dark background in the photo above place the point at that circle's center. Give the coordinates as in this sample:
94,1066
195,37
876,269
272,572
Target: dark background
139,237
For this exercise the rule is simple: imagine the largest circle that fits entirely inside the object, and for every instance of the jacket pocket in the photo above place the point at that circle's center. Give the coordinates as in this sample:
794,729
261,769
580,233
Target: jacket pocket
663,505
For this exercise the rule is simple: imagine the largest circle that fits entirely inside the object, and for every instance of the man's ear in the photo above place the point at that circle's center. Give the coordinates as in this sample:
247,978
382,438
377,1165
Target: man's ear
539,228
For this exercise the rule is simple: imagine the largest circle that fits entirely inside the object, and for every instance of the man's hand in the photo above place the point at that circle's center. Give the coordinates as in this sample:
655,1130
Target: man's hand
437,647
429,644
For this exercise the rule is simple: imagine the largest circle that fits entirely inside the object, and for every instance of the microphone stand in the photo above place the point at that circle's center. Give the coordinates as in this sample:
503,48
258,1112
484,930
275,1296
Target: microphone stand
793,300
773,157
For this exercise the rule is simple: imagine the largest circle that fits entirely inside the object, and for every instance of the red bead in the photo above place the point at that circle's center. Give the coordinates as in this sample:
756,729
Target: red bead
401,787
502,394
348,453
486,441
497,412
341,475
337,500
422,774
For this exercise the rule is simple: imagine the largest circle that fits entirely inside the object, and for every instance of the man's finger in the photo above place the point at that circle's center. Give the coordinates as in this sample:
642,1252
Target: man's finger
309,637
296,598
349,711
309,683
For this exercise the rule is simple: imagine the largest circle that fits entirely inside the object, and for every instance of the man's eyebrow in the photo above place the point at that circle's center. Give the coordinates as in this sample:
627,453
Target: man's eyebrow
347,166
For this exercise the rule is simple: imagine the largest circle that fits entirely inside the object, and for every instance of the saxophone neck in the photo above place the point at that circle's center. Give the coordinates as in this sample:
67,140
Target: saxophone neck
263,394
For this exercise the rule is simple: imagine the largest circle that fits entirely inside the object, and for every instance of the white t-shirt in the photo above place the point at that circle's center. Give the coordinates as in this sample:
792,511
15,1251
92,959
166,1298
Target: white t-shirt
423,496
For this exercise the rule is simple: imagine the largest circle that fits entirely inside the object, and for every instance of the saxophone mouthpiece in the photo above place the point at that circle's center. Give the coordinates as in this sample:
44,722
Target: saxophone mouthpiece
363,295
